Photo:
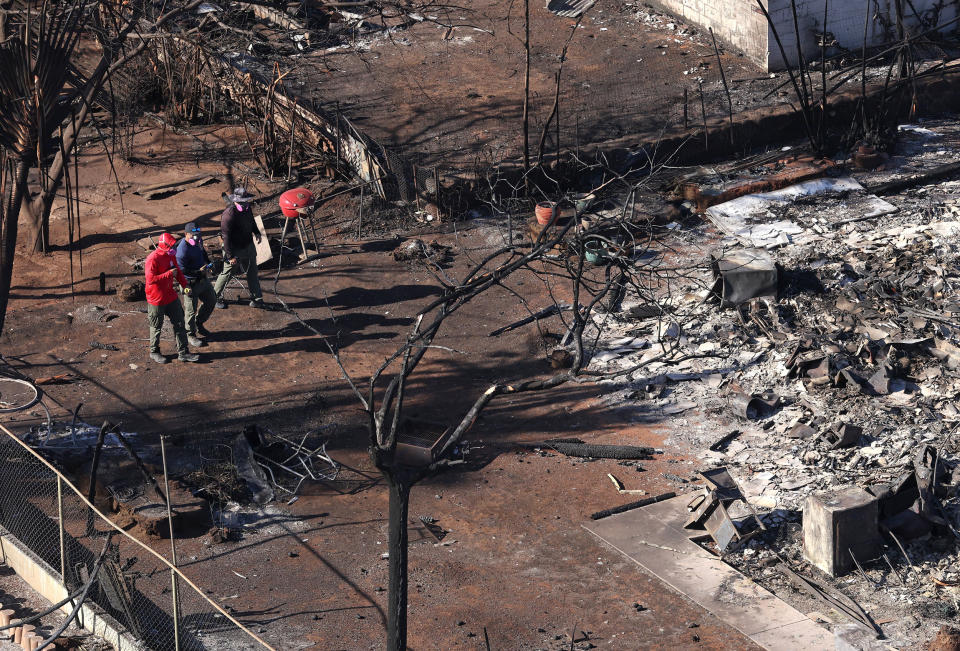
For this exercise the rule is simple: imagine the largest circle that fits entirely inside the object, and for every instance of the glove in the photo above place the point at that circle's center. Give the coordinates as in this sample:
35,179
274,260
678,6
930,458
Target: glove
187,291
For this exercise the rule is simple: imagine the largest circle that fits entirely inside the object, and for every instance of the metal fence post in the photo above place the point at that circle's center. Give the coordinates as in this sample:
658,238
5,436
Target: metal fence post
436,183
63,545
173,549
176,611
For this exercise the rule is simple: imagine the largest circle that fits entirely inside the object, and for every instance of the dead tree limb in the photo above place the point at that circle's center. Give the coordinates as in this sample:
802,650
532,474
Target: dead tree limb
526,88
554,110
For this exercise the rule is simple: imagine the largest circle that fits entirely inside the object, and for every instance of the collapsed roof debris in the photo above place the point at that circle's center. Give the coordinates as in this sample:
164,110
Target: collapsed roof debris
837,378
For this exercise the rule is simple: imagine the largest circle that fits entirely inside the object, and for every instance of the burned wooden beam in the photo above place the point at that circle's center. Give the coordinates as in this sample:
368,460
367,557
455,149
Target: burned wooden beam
928,176
632,505
160,190
273,16
542,314
592,451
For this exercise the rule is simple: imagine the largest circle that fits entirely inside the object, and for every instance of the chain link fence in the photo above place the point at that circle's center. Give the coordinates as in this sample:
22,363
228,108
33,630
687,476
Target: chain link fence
151,600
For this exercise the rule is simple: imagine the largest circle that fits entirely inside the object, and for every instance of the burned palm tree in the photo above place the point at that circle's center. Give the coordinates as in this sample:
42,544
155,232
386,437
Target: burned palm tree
45,100
34,104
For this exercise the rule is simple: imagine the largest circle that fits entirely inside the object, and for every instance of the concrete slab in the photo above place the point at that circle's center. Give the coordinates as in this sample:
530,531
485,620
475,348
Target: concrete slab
655,539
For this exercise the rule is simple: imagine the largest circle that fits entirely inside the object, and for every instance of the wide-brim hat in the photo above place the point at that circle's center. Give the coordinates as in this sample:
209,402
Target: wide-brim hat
240,195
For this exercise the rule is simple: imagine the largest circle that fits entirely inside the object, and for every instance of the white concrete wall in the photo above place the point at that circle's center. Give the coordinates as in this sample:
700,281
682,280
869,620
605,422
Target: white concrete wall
845,20
741,24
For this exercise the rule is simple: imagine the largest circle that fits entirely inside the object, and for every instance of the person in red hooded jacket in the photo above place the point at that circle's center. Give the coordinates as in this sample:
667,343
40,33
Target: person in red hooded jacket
161,270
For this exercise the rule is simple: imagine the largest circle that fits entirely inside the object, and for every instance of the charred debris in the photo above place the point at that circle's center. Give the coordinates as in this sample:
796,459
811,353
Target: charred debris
819,349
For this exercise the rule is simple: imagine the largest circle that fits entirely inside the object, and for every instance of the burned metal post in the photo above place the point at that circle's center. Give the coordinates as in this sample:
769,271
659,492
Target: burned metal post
416,188
63,546
436,185
726,88
703,113
173,548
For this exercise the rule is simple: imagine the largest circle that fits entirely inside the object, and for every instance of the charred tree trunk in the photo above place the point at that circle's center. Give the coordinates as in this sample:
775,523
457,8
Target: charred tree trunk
526,94
399,486
5,5
3,19
37,213
38,209
8,236
901,37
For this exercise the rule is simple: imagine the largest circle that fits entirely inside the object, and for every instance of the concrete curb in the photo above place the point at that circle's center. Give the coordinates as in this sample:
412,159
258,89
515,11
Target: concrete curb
42,578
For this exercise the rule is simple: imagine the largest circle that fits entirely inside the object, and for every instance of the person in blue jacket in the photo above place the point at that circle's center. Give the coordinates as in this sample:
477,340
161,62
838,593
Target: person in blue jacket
193,260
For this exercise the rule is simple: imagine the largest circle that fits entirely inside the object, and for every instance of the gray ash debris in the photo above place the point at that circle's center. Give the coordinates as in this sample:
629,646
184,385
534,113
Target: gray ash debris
861,348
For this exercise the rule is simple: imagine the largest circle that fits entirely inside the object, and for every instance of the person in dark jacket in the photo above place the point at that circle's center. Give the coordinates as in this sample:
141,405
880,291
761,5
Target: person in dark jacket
161,271
193,261
238,231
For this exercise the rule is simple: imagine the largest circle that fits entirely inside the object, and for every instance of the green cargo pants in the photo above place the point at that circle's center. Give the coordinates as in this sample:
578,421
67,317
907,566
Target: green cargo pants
200,291
174,311
248,257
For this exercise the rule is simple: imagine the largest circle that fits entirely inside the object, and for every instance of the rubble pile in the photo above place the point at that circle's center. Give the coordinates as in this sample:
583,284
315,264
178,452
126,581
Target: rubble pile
848,377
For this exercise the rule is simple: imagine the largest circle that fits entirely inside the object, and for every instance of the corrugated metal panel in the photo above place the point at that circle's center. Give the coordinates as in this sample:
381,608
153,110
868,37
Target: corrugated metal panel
569,8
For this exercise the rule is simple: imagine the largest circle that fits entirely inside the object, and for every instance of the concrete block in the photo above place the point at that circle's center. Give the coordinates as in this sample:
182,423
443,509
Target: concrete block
836,523
744,274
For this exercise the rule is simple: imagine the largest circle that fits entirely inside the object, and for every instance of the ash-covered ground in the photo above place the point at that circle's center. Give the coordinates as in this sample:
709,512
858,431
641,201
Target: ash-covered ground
864,332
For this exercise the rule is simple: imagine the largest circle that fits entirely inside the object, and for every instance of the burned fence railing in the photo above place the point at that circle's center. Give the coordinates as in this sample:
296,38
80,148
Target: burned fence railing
303,122
49,516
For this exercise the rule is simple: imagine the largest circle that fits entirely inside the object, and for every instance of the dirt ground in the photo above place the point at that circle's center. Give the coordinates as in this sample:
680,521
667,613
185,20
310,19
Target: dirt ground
516,562
455,98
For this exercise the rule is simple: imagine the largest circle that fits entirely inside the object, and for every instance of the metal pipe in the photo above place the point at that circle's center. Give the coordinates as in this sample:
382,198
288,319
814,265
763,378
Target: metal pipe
436,177
279,465
7,623
81,599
